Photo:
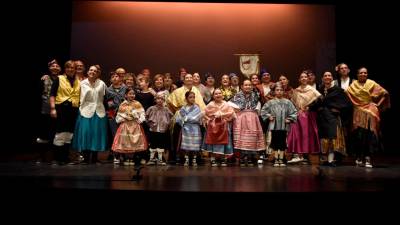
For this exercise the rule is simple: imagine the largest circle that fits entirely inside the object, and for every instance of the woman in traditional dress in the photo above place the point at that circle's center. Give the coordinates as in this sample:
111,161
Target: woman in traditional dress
331,108
303,135
368,99
90,136
64,104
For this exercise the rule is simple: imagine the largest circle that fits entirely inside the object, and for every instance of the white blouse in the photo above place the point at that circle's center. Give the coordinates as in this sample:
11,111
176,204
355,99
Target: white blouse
345,83
91,99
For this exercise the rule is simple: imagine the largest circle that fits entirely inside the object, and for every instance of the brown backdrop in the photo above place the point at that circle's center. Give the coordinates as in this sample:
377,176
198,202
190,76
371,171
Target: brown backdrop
204,36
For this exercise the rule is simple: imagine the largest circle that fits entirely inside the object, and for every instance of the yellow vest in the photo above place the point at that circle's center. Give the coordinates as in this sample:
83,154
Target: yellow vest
67,93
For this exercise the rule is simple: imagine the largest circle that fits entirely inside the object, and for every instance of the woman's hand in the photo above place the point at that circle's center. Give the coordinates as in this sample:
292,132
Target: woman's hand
53,113
45,77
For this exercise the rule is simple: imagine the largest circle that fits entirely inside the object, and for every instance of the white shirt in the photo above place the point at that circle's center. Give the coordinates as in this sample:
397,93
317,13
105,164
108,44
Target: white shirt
92,98
345,83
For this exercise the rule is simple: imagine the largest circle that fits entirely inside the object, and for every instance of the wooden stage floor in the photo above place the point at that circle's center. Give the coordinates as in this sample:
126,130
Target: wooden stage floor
293,178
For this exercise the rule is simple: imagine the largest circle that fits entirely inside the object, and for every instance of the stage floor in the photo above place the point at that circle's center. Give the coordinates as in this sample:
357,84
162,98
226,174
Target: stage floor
293,178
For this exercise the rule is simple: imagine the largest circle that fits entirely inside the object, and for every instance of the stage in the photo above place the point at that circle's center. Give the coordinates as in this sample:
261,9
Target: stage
385,176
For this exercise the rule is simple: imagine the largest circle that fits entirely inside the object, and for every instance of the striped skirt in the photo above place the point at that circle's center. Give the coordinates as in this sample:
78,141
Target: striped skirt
191,137
247,132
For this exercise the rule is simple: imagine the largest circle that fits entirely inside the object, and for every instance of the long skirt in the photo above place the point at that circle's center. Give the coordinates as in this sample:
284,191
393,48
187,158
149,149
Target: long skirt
337,144
303,134
130,138
247,132
90,133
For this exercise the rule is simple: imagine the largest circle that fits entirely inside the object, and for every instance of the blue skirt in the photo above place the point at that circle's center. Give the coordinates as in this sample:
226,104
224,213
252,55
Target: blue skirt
191,137
90,133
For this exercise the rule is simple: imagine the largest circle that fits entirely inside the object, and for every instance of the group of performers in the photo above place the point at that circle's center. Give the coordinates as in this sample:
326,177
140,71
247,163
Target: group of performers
141,119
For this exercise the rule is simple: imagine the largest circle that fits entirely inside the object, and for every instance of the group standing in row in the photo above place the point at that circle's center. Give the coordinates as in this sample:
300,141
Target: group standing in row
139,119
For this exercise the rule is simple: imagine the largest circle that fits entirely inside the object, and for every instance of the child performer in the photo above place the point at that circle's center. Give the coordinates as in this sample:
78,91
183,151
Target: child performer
279,113
218,117
158,118
130,137
189,117
248,136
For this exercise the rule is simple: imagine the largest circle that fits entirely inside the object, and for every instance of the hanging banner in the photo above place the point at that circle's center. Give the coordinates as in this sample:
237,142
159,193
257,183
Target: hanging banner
249,64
